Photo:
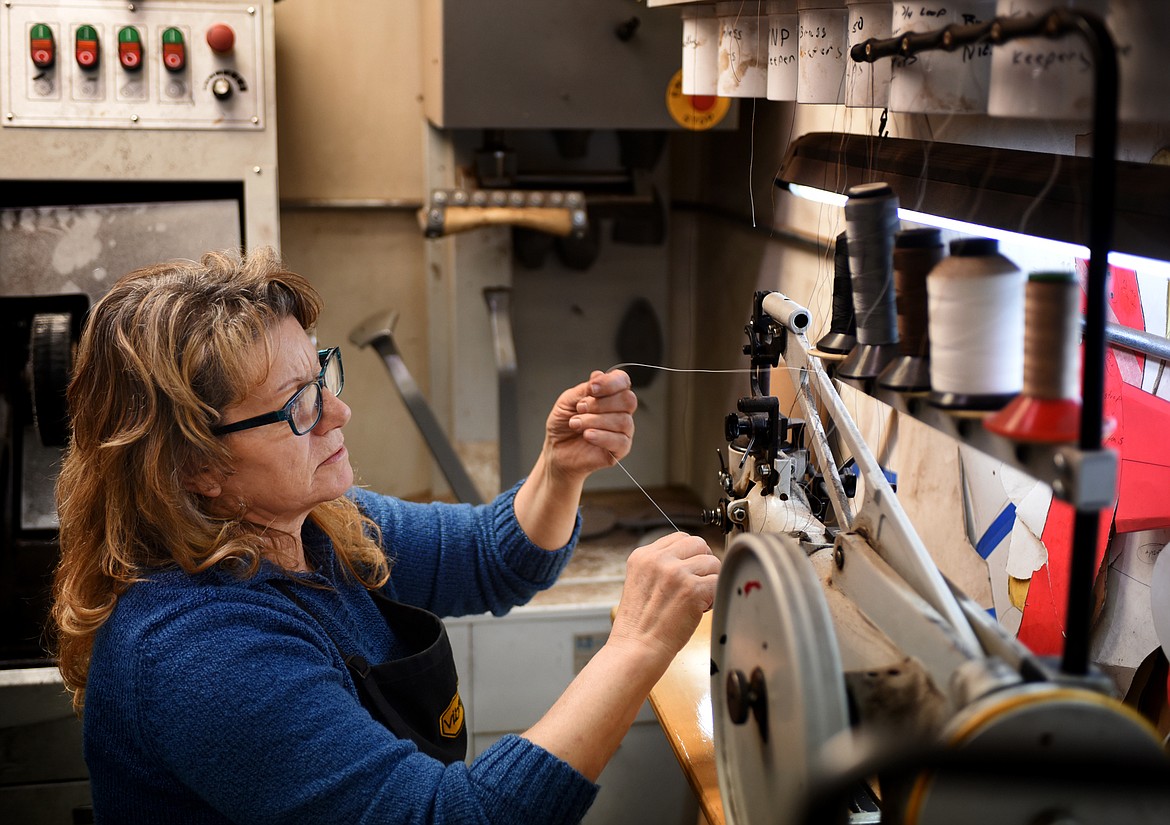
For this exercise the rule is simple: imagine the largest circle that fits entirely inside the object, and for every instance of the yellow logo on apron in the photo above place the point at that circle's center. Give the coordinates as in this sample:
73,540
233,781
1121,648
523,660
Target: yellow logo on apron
451,722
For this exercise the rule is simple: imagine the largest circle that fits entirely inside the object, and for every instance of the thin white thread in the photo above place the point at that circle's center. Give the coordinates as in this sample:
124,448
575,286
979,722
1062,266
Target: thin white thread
648,496
671,369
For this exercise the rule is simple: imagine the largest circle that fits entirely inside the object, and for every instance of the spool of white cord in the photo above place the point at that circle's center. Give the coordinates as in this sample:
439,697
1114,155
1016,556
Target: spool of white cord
976,317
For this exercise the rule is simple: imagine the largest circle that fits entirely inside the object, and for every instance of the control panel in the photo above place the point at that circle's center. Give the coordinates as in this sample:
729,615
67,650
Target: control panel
166,64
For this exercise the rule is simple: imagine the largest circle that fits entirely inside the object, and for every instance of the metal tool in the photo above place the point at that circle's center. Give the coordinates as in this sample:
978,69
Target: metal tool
499,301
458,210
378,332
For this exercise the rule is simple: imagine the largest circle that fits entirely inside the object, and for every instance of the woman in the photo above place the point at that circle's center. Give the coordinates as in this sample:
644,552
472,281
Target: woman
242,627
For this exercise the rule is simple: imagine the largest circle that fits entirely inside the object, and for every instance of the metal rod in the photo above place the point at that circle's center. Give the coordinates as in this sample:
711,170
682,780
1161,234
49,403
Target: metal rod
1136,340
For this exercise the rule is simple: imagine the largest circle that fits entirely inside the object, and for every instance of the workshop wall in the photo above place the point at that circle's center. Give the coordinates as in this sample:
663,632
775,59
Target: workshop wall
351,177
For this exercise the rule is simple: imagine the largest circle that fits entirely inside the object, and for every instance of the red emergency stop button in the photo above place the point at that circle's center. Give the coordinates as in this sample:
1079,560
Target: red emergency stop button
129,48
41,47
221,38
174,50
86,47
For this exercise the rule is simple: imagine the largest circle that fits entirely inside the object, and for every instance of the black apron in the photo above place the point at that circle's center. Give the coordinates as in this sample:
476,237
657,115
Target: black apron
417,696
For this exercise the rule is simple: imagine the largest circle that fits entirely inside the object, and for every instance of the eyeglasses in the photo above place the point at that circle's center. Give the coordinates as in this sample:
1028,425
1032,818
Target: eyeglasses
303,410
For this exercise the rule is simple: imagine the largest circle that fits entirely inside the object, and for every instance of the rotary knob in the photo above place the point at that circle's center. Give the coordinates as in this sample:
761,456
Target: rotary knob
221,87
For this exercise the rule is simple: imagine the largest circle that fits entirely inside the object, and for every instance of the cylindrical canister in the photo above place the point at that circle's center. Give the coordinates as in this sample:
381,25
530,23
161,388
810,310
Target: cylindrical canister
1041,77
783,69
823,51
1139,30
700,49
743,50
941,81
867,84
975,310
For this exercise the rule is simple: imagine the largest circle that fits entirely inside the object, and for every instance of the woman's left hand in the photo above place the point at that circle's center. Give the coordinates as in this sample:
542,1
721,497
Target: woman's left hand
591,426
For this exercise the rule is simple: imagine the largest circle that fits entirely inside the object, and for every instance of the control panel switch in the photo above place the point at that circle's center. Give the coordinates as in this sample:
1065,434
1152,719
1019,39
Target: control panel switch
86,48
174,50
129,48
41,46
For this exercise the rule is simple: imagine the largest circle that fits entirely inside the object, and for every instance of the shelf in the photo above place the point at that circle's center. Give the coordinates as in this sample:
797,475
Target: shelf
1080,478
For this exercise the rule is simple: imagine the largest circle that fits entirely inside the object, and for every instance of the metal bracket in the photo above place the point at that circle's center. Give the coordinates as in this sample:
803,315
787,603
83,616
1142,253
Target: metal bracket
1085,478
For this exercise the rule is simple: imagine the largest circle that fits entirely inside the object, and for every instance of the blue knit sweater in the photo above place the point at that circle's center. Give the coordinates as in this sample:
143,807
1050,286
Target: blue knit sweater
213,699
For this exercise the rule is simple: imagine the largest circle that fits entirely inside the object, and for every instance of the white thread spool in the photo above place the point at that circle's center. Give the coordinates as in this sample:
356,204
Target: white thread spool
975,313
867,84
743,51
941,81
700,50
1039,77
1139,30
823,54
783,67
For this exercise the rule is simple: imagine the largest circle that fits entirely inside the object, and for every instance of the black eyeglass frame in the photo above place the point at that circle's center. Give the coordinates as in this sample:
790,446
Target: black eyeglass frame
285,413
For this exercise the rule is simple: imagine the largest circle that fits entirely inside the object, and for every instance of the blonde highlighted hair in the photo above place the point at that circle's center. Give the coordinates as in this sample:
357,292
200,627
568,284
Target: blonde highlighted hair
162,354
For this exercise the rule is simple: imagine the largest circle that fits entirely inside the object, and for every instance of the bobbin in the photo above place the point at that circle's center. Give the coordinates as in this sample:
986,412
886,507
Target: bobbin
842,334
1048,410
976,359
916,253
871,221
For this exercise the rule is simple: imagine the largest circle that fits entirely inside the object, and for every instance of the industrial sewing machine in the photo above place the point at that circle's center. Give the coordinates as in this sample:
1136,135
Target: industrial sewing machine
850,680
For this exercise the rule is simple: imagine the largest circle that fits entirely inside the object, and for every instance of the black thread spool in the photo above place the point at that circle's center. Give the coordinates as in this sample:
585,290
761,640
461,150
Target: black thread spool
916,252
1048,410
842,334
871,221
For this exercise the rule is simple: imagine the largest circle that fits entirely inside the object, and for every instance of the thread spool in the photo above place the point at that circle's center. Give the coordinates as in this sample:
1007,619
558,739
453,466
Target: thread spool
1048,409
1041,77
700,51
871,221
823,45
916,253
975,307
941,81
842,334
783,28
743,51
867,84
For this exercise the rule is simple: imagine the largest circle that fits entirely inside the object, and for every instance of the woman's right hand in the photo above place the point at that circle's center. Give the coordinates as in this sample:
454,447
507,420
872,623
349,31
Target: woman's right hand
669,585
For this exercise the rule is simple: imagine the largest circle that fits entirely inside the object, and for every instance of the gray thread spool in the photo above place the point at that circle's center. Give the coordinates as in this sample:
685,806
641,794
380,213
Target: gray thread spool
842,334
871,221
916,252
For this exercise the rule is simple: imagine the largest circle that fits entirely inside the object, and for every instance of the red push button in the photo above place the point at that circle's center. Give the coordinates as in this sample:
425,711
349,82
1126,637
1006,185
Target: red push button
129,48
86,49
221,38
41,47
174,50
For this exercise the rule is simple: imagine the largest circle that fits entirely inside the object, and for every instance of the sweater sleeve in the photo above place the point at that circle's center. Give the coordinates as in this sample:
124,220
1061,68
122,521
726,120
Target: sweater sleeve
456,559
250,711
